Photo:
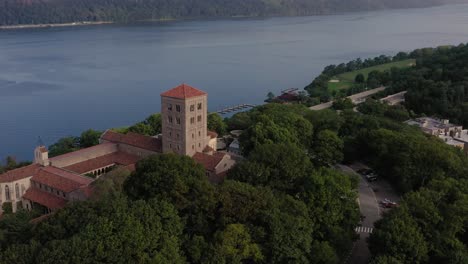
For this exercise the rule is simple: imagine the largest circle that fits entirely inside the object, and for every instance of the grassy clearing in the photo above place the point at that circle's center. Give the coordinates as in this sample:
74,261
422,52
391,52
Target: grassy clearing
347,78
340,85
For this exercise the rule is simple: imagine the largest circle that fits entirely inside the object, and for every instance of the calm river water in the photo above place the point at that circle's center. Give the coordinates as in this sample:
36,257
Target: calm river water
60,81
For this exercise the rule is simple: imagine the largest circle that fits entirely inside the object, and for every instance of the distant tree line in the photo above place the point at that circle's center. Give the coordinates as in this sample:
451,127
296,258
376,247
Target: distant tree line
14,12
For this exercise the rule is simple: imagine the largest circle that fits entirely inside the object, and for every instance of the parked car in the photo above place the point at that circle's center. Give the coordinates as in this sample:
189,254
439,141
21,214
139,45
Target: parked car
386,203
371,177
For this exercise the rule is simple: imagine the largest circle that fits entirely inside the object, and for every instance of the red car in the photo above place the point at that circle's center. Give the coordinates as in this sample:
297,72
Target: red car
388,203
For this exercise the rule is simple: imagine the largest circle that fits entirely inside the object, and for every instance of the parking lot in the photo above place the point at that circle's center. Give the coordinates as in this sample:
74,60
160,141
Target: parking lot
380,187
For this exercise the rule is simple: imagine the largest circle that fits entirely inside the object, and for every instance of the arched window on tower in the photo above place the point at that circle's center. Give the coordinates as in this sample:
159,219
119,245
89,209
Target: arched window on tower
17,191
7,193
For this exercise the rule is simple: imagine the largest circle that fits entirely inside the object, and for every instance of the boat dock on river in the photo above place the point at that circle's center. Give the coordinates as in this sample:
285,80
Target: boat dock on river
235,108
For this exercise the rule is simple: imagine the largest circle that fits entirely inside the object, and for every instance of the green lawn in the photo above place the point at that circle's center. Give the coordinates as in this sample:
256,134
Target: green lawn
347,78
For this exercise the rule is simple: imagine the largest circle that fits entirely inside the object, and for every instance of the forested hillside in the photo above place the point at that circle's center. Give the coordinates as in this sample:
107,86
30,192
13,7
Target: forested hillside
14,12
431,223
437,84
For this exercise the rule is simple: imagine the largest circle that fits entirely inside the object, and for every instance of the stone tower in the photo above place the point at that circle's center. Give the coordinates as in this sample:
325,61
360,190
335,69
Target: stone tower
184,120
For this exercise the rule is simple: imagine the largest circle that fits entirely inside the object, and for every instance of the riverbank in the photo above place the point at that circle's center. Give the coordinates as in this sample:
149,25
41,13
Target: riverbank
73,24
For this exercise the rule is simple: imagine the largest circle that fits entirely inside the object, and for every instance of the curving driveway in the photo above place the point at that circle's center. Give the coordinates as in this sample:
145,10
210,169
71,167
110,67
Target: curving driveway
369,195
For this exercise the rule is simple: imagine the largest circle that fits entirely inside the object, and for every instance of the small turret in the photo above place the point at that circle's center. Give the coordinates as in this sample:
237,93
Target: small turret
41,155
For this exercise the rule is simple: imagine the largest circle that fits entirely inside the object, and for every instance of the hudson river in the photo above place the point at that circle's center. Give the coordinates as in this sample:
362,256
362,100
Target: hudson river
56,82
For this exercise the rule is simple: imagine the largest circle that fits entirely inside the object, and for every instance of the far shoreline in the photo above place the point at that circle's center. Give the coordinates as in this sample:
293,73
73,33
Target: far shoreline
93,23
71,24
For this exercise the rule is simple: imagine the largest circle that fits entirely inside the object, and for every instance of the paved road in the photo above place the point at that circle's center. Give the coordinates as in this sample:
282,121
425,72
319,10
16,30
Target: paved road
369,195
355,98
369,208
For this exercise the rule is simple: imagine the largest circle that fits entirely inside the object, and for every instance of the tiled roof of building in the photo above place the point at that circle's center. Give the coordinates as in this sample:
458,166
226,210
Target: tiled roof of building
60,179
209,162
20,173
183,91
81,152
212,134
134,139
44,198
119,158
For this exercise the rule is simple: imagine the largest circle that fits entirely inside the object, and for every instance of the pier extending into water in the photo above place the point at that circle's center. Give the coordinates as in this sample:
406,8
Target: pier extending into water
234,108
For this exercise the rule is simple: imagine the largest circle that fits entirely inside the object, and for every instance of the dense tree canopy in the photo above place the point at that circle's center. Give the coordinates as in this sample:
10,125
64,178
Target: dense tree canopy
89,138
151,126
216,123
110,231
64,145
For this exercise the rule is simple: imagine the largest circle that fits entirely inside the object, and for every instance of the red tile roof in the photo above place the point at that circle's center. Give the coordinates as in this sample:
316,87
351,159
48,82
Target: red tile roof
212,134
120,158
60,179
20,173
183,91
44,198
134,139
209,162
